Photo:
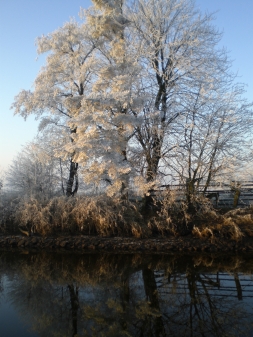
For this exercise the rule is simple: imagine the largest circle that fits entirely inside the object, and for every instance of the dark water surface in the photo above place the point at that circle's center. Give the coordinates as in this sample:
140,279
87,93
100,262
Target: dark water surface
44,294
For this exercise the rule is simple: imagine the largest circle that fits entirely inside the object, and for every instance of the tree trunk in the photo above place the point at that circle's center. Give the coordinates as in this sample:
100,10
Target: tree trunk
73,177
62,185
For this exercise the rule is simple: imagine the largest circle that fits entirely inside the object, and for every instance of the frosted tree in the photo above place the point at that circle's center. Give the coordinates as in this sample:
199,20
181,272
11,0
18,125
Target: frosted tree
110,111
177,45
132,91
213,136
85,91
35,172
59,87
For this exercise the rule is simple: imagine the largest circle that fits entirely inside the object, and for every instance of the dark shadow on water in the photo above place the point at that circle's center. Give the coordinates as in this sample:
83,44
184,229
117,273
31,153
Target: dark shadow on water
126,295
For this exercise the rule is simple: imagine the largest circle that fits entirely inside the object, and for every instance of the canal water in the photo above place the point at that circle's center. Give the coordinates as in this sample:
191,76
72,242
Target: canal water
64,294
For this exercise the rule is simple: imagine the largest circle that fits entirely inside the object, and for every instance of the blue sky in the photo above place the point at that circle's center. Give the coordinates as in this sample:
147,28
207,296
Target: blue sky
21,21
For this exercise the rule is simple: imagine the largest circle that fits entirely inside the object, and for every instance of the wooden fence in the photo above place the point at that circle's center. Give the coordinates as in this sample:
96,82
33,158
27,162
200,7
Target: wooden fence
221,194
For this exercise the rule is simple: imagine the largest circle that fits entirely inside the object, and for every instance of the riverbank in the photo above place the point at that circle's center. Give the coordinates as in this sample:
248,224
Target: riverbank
126,245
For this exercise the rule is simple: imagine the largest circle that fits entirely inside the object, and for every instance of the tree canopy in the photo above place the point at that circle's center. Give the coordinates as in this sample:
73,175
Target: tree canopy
138,95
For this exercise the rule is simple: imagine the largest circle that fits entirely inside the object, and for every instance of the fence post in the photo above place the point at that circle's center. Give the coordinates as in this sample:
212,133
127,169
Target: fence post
236,188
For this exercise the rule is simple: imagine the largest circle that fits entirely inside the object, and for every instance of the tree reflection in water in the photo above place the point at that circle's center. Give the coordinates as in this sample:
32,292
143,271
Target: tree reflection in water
131,295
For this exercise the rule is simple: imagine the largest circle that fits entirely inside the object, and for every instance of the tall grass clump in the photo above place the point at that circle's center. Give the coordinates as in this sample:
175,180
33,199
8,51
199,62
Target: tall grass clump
172,215
106,216
223,227
33,215
98,215
167,216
